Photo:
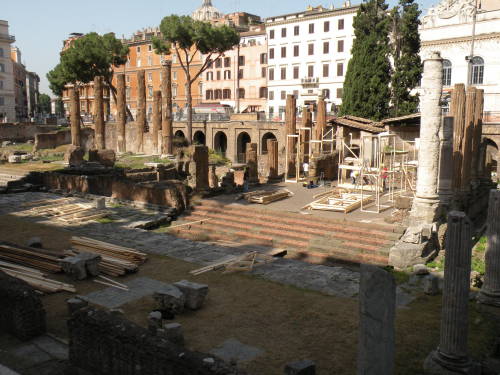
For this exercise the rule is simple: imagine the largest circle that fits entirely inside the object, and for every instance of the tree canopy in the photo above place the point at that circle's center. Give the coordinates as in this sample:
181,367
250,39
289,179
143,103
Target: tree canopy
366,87
407,63
187,38
44,103
87,57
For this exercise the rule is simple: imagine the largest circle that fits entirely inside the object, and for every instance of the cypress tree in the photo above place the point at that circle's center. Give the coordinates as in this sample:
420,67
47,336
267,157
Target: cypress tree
407,63
366,86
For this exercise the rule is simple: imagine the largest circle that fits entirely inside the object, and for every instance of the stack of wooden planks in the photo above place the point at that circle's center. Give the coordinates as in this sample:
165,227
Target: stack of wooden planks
266,197
341,202
41,259
116,260
35,278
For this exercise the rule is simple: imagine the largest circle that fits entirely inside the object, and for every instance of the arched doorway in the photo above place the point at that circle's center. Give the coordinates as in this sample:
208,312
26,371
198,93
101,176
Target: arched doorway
220,143
179,139
265,138
491,158
241,146
199,138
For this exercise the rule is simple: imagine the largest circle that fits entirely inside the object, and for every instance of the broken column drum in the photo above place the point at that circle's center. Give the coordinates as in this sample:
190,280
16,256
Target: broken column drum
252,162
478,130
426,200
490,292
445,184
166,111
291,129
451,355
74,98
141,110
156,119
272,155
470,104
121,114
99,115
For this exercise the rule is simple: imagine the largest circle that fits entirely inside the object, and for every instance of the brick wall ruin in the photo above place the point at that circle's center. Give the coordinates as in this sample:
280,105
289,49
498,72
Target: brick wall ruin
21,310
102,343
22,132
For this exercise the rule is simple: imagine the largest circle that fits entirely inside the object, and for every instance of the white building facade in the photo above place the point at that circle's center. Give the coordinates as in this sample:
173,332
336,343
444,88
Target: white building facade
448,28
7,99
308,54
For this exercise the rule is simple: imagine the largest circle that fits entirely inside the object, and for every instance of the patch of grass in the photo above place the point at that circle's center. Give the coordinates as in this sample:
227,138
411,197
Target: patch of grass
130,161
216,157
478,254
437,263
116,205
26,147
52,157
105,220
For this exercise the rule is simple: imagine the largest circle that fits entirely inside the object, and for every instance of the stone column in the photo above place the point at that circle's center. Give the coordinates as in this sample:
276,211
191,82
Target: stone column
478,131
156,119
166,112
291,128
141,110
99,136
451,355
272,155
377,310
213,180
252,163
74,102
200,158
470,104
426,200
457,110
121,113
490,292
445,187
306,135
320,118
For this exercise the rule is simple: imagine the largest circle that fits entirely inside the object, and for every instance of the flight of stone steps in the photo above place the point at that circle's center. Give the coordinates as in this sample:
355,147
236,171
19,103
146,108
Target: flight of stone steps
306,237
9,175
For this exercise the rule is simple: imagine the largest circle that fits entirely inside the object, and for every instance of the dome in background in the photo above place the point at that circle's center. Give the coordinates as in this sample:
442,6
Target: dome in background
206,12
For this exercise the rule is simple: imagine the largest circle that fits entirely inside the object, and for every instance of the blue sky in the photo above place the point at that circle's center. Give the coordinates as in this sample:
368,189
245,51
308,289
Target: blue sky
41,26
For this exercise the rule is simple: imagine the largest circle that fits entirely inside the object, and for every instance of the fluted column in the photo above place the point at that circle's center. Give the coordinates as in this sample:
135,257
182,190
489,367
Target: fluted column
272,155
490,292
320,118
470,108
99,115
141,110
478,131
74,107
166,111
451,354
291,128
457,110
121,113
445,187
156,119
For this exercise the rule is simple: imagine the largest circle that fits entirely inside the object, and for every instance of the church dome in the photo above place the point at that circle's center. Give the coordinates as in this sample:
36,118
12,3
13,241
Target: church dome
206,12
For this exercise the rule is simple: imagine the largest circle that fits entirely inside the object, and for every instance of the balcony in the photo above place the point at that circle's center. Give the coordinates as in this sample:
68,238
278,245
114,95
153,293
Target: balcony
8,38
310,82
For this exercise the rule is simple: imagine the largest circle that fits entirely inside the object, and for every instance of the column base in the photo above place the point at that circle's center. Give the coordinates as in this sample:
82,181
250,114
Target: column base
424,210
488,298
438,363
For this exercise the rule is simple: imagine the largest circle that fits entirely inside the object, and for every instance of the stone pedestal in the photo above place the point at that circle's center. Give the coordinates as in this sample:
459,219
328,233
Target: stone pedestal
74,108
252,163
166,111
99,139
156,119
451,355
377,309
490,292
272,157
121,113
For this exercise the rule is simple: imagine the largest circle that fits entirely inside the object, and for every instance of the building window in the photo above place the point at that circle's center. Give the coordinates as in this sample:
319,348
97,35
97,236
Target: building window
271,112
227,74
446,72
150,76
283,32
174,59
326,70
283,95
271,53
326,47
138,63
263,92
174,91
296,30
150,48
218,63
326,26
326,93
340,92
241,60
283,73
296,94
127,78
271,95
311,28
271,74
310,49
340,69
227,62
263,73
174,75
240,74
283,52
341,24
150,60
208,76
310,71
218,75
218,94
150,91
263,58
2,100
340,46
226,94
1,85
296,50
209,94
295,72
271,34
241,93
1,52
210,64
477,71
139,49
127,93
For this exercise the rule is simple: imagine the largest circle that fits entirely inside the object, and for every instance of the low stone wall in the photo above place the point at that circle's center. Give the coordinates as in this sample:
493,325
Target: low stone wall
328,165
22,132
102,343
63,137
21,310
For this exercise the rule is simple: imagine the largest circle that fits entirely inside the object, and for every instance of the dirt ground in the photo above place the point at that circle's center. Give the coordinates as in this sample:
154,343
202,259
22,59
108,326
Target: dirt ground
286,322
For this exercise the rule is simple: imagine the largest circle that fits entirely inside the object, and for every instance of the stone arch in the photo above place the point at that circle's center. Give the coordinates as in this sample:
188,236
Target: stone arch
241,144
199,138
179,139
220,142
491,155
265,138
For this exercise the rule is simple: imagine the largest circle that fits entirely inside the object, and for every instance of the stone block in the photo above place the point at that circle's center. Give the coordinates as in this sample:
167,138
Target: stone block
91,262
100,203
431,285
305,367
75,303
74,267
403,203
174,333
74,156
106,158
14,159
154,321
6,143
170,299
34,242
194,293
